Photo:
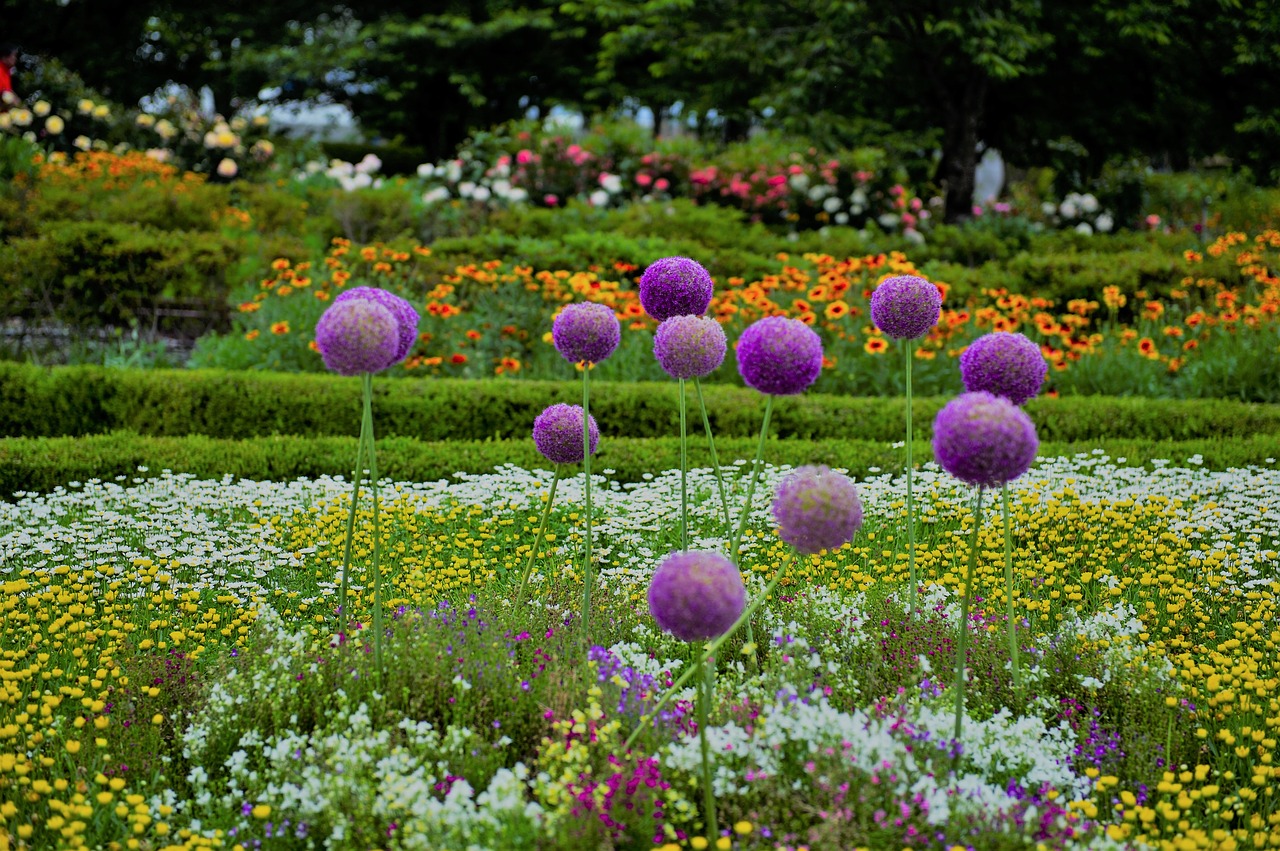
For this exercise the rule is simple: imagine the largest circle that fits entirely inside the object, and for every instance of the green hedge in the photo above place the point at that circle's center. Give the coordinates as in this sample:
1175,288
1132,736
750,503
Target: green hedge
38,465
81,400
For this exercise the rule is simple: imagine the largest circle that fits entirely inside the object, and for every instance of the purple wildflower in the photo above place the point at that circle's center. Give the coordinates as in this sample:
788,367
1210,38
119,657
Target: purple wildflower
905,307
357,336
817,509
675,286
696,595
689,346
586,332
1005,364
406,317
779,356
557,432
984,440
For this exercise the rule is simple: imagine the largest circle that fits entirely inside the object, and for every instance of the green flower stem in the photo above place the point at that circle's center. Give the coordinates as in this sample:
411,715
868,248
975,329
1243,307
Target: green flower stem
710,650
588,576
704,712
746,508
715,462
1008,584
964,615
684,470
911,517
537,542
377,529
344,615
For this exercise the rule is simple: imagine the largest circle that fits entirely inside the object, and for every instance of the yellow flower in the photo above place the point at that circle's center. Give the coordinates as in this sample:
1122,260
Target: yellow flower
85,106
54,125
101,111
261,811
41,108
227,168
742,828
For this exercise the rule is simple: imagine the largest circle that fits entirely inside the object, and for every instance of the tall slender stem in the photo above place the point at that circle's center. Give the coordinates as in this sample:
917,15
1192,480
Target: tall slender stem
1008,584
344,614
715,462
684,470
704,713
964,616
537,542
587,571
710,650
911,516
746,507
377,529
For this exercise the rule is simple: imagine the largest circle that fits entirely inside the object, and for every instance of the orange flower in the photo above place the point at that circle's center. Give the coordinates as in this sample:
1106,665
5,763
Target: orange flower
322,295
249,306
458,358
251,335
1153,309
1192,256
828,363
313,346
875,345
280,328
1147,347
836,309
473,334
280,264
1190,344
1113,298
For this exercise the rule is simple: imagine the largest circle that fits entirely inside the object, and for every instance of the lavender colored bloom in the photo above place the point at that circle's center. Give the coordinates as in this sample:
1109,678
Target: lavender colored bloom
817,509
404,314
586,332
779,356
983,439
357,336
696,595
905,307
689,346
675,286
1005,364
557,432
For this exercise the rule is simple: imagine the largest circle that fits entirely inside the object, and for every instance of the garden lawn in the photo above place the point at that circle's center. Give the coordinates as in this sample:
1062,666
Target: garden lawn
172,674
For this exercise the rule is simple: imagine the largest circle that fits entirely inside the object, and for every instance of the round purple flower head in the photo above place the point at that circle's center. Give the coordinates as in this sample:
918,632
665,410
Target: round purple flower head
983,439
779,356
689,346
586,332
557,432
817,509
357,336
675,286
905,307
404,314
1005,364
696,595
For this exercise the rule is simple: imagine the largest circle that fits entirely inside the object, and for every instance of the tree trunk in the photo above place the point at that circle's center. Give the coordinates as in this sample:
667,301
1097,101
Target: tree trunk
960,147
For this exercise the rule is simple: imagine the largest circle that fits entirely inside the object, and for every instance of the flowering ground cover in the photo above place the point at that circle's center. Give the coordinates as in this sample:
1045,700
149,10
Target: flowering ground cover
173,675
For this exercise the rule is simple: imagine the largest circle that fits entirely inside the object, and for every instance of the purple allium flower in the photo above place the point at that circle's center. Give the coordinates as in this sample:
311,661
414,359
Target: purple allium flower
403,312
696,595
689,346
357,336
906,307
1005,364
817,509
675,286
557,432
779,356
983,439
586,332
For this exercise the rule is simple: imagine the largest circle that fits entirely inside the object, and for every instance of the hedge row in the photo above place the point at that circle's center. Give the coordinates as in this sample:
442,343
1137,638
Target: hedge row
41,464
80,400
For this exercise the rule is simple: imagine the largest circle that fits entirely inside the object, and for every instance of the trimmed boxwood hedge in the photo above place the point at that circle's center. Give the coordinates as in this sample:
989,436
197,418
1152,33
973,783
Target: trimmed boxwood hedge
82,400
39,465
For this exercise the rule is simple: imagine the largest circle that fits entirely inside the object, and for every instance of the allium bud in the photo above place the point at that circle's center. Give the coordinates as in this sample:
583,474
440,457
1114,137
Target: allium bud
689,346
557,432
984,440
675,286
696,595
817,509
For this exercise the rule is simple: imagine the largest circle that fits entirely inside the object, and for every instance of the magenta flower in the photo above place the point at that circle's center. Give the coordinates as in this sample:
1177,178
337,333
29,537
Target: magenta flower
984,440
905,307
675,286
779,356
557,432
586,332
1006,364
696,595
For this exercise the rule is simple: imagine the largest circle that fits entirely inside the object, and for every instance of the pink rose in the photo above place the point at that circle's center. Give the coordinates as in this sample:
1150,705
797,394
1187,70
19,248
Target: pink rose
644,178
550,200
661,184
524,157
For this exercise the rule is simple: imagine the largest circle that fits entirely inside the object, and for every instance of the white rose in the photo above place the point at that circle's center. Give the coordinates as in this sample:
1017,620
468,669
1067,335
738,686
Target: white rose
599,198
831,204
1104,223
1084,228
481,194
426,170
435,196
611,183
1089,204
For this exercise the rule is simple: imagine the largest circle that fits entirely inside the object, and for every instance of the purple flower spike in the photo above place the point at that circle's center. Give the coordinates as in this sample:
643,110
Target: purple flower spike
586,332
689,346
1005,364
405,315
779,356
984,440
696,595
905,307
817,509
557,432
675,286
357,336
